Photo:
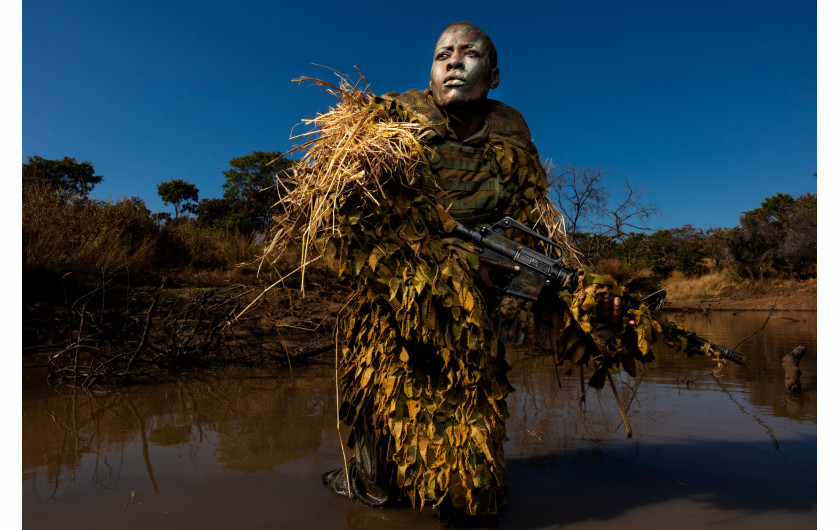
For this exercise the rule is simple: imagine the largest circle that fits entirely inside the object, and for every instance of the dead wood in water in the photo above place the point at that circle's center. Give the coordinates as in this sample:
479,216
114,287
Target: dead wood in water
114,333
790,364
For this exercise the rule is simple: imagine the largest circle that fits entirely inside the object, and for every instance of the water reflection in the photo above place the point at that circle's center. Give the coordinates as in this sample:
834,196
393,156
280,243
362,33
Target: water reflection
247,447
251,422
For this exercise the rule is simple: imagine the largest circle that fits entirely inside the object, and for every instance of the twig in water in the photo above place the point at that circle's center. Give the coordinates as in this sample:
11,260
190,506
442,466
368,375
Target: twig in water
753,416
635,390
149,314
620,406
534,432
286,350
759,329
130,499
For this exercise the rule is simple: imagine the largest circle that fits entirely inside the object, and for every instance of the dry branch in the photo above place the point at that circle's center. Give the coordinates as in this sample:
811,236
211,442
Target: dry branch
175,331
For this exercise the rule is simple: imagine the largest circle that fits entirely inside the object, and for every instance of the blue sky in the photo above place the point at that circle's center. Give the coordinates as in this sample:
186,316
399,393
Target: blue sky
710,106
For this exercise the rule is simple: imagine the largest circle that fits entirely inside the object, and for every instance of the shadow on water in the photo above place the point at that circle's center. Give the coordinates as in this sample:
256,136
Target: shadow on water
602,484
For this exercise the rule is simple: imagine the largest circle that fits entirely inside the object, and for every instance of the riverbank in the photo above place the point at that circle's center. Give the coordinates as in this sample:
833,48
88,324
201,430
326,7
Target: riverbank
713,292
119,332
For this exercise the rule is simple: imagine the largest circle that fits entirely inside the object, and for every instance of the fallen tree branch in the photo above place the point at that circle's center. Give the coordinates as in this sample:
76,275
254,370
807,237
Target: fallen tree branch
759,330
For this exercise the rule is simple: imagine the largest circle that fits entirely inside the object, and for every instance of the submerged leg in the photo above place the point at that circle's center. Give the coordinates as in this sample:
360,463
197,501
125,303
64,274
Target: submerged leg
369,483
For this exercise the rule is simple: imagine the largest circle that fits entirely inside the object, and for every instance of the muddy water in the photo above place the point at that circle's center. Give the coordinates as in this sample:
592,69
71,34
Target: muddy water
246,448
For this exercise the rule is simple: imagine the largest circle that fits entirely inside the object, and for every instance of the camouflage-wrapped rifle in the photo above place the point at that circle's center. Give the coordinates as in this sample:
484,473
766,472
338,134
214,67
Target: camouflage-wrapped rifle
537,271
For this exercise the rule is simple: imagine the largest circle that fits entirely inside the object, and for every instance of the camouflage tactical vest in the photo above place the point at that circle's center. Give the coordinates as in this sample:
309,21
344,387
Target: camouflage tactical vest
466,181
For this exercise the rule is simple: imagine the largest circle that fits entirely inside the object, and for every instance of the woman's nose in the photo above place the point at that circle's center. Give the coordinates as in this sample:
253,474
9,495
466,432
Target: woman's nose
455,61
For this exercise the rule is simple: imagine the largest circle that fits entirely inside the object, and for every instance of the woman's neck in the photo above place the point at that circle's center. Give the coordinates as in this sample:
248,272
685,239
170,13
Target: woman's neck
465,120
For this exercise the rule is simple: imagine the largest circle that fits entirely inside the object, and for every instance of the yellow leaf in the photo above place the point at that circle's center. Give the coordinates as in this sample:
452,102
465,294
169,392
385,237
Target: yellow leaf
438,456
421,277
413,407
446,219
366,376
373,259
469,302
424,447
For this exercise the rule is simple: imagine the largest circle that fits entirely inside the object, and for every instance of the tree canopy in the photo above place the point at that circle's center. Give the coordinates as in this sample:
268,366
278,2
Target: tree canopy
179,193
250,193
780,235
65,176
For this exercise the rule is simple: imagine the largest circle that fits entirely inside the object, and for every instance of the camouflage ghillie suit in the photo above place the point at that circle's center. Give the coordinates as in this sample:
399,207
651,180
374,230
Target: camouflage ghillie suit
423,376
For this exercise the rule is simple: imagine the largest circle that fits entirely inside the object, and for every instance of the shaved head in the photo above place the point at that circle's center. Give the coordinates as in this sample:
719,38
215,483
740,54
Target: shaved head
469,25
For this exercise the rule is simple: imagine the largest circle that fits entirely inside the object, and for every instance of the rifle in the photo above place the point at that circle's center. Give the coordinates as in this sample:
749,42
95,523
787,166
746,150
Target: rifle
538,271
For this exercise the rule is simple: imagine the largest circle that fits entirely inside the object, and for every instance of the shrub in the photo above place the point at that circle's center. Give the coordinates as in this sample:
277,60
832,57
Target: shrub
184,243
71,234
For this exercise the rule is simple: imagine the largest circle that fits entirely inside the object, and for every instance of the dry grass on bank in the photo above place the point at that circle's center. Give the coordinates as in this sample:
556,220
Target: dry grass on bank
88,241
73,236
711,285
720,291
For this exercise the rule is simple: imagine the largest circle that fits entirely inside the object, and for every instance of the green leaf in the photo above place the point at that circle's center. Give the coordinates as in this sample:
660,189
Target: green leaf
421,277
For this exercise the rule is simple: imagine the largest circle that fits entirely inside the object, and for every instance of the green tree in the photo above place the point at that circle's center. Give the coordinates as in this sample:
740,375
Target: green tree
655,251
595,247
781,235
179,193
250,189
688,258
219,216
799,250
65,177
689,250
683,249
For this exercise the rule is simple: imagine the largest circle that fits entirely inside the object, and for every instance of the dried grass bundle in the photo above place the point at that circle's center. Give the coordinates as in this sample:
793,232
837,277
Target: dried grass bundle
348,155
552,224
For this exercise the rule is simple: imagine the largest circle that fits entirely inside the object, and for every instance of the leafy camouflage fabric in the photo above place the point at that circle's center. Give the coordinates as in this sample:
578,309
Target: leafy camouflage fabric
423,376
421,368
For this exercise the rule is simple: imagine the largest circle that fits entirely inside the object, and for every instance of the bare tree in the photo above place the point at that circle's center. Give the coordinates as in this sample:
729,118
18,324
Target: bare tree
581,195
630,213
